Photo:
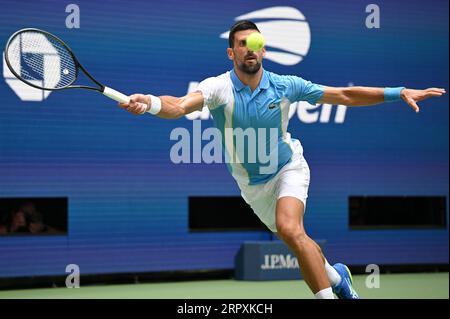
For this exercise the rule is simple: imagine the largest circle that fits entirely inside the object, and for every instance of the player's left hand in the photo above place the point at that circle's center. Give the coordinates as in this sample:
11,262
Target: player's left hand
411,97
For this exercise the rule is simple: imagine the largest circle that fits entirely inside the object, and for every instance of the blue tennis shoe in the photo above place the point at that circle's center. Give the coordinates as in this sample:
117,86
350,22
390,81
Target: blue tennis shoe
344,289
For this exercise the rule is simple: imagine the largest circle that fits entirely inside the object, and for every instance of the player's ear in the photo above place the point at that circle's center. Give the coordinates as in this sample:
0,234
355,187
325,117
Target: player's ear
263,50
230,53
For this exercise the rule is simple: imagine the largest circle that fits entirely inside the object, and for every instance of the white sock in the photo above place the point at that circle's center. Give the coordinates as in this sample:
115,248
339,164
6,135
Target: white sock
326,293
333,275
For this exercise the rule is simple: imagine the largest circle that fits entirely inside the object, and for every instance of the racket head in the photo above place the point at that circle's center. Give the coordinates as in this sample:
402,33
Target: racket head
41,59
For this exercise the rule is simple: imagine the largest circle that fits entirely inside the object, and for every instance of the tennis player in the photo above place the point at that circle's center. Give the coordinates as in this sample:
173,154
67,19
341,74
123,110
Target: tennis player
249,96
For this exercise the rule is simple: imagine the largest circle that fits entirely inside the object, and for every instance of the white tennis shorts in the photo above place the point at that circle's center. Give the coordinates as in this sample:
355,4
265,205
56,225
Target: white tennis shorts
292,180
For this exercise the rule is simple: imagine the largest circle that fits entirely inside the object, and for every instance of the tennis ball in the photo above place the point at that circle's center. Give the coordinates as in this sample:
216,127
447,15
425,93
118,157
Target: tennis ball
255,41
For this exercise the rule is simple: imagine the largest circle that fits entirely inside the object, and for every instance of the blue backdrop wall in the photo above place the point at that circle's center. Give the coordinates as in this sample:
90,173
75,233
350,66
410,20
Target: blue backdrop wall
128,202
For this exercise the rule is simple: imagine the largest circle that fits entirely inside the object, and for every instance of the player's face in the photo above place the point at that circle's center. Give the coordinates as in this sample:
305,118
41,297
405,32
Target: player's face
246,60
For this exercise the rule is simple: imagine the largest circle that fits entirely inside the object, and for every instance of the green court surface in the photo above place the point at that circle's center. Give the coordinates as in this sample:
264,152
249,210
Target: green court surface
392,286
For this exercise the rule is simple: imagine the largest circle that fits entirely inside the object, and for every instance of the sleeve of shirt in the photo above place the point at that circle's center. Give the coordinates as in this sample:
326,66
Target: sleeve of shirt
214,92
299,89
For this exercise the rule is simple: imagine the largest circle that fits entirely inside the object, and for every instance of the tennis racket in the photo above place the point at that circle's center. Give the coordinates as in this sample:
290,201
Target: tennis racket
45,62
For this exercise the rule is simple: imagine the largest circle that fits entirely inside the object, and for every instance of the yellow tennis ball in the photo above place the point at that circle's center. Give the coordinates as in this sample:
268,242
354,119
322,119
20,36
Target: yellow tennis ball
255,41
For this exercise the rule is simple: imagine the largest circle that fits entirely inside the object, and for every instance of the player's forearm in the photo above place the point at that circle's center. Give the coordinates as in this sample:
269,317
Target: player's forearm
360,95
171,107
167,107
363,96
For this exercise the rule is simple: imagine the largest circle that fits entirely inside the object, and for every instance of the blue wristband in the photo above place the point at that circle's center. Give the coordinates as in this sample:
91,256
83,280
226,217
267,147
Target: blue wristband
392,94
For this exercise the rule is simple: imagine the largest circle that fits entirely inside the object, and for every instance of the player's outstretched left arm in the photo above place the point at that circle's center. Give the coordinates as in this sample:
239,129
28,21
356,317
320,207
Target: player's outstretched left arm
365,96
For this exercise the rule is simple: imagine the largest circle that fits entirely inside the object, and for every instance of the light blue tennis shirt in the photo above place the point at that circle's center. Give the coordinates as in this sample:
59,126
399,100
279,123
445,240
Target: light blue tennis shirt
254,124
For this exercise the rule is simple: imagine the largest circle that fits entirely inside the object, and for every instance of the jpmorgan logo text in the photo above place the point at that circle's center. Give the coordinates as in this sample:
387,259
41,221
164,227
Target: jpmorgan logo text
279,262
286,31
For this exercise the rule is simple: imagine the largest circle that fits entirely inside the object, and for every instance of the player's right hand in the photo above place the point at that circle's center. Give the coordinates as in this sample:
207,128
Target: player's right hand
139,104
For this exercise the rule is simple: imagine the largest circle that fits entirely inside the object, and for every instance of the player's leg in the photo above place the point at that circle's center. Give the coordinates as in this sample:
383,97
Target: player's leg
316,271
292,192
290,228
332,273
267,199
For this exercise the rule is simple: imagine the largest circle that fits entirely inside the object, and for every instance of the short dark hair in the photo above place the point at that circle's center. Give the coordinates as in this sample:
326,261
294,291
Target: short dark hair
240,26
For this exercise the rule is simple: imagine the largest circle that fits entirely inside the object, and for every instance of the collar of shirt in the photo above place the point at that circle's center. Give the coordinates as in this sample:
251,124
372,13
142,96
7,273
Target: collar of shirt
263,84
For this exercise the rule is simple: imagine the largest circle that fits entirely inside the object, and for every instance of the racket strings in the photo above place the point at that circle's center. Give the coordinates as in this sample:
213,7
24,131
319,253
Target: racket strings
42,60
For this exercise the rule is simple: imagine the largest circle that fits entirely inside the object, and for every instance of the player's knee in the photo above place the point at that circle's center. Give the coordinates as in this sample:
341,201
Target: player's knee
291,233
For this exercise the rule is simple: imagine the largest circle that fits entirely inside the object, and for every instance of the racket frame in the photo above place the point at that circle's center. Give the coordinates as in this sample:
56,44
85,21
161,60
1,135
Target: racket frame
78,65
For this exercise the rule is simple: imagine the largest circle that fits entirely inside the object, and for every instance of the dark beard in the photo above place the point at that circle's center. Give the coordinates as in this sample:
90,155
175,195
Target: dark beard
249,69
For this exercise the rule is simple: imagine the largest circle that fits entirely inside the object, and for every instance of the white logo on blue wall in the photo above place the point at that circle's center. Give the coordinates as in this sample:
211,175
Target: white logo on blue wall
279,261
288,39
286,31
51,61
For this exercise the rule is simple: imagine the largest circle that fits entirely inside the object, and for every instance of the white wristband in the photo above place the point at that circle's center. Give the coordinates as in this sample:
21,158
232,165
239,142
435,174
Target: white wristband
155,106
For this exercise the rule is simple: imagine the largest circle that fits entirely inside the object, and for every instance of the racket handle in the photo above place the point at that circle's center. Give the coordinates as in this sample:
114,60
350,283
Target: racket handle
116,95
